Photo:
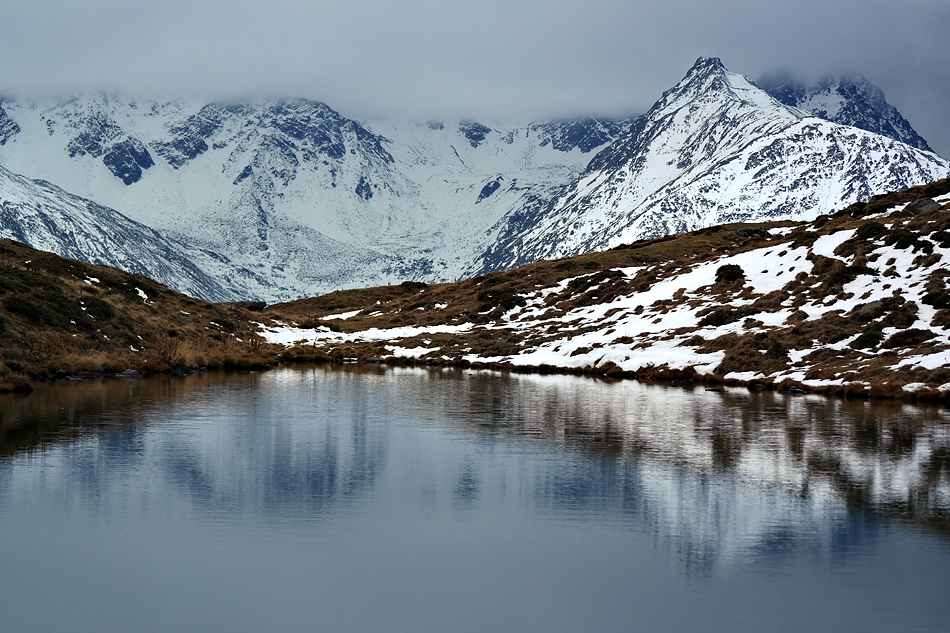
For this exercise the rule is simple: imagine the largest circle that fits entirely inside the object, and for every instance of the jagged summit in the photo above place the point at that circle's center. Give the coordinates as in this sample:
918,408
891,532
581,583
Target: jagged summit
693,120
849,99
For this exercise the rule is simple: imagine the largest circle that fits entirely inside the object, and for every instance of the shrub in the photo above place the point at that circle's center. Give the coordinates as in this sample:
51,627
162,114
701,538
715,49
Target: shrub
99,309
413,286
942,238
730,273
903,239
505,298
908,338
938,299
36,310
870,231
581,284
725,315
866,340
848,274
805,239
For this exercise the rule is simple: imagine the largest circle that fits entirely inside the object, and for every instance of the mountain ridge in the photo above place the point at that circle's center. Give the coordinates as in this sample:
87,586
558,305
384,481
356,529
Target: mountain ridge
714,148
849,99
285,198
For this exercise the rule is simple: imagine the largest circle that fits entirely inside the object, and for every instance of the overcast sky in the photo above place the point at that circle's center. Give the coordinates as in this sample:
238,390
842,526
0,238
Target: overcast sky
493,60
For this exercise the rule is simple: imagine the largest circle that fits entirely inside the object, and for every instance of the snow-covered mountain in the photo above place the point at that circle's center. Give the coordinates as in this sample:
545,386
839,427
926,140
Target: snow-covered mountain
297,198
50,219
849,99
286,198
714,149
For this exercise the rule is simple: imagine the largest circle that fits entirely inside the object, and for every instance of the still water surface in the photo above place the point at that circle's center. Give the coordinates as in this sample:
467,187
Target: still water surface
374,499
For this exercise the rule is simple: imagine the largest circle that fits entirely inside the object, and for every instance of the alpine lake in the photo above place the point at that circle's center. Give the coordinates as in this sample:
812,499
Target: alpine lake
358,498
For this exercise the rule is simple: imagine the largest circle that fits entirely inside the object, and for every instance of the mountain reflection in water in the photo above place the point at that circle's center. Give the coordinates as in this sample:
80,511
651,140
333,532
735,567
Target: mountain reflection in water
717,480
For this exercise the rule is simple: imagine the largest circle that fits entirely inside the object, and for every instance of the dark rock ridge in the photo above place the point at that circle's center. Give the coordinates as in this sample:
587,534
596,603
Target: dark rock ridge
849,99
100,136
8,127
585,134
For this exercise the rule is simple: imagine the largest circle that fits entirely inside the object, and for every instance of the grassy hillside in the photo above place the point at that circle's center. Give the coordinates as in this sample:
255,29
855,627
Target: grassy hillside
62,317
852,303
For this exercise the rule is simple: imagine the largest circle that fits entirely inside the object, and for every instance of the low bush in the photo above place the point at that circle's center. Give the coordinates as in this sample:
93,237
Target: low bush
867,340
805,239
848,274
904,239
939,299
413,286
726,315
505,298
908,338
730,273
581,284
870,231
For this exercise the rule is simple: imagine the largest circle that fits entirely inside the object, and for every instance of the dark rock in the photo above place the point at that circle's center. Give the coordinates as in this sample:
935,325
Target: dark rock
127,159
922,205
364,189
474,132
862,104
8,127
488,190
98,130
584,134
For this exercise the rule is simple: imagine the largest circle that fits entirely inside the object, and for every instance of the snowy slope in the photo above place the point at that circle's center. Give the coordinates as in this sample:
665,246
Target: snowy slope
713,149
291,195
849,99
45,217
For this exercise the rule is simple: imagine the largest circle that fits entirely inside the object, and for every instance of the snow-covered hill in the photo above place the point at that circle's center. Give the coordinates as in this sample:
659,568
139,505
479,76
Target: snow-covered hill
714,149
849,99
297,197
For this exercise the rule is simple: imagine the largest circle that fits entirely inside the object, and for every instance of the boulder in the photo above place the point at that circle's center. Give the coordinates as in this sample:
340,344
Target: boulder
921,205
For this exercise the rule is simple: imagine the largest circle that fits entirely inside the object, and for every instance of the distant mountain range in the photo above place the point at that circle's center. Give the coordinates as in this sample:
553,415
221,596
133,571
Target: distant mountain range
287,198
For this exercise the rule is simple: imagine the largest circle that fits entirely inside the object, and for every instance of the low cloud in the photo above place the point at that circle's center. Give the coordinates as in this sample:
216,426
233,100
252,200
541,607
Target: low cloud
424,59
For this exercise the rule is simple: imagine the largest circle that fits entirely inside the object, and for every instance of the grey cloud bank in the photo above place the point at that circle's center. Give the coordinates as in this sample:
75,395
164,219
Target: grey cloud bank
492,60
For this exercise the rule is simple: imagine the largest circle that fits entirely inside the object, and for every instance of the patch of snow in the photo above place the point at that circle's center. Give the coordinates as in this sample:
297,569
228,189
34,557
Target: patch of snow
342,316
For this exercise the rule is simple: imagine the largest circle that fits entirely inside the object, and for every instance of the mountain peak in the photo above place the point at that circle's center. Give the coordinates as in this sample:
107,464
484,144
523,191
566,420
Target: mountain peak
705,65
849,99
710,82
